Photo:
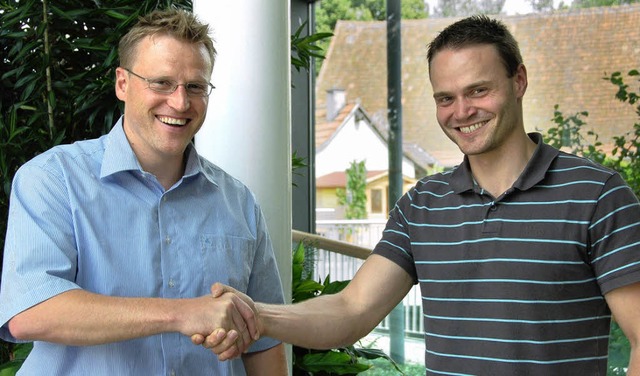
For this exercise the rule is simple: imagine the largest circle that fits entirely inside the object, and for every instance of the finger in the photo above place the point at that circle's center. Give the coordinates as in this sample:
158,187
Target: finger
229,354
197,339
217,289
238,321
248,315
228,346
215,338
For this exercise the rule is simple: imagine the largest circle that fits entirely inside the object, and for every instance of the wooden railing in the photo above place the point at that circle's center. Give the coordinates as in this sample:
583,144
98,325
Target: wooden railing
341,260
332,245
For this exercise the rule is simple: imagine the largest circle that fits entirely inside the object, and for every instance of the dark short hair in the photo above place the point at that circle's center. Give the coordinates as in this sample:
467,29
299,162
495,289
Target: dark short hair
174,22
476,30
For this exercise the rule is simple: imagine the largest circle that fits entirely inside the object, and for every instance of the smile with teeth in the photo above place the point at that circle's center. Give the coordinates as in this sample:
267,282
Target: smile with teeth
172,121
472,127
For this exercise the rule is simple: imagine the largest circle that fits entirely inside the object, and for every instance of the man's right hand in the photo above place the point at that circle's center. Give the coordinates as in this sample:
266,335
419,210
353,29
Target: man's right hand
234,320
229,343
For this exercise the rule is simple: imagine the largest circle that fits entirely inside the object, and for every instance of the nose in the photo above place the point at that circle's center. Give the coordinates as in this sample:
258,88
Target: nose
179,99
464,109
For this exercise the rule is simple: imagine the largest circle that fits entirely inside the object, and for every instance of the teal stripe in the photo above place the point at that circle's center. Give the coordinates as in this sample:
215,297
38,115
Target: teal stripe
534,322
456,225
527,341
500,260
572,360
499,280
615,231
571,183
612,213
394,246
612,252
579,168
620,268
485,240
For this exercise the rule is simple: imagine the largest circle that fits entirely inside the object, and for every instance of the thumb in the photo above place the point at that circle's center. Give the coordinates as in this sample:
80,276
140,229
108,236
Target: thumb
217,289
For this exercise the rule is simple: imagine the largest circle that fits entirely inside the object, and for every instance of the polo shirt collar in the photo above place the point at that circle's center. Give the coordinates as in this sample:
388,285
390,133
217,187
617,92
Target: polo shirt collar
534,172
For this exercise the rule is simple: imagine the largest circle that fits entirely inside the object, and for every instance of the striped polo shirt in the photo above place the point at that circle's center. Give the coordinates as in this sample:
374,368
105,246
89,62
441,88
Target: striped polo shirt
514,285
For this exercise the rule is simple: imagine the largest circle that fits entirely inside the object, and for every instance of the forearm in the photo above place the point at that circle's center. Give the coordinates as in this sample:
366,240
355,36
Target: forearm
78,317
272,362
320,323
634,362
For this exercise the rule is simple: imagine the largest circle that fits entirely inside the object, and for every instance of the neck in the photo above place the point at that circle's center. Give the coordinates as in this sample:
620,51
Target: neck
496,171
167,170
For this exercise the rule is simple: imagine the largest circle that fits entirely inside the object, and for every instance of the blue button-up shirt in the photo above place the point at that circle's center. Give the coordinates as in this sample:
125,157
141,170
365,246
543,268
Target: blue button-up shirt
87,216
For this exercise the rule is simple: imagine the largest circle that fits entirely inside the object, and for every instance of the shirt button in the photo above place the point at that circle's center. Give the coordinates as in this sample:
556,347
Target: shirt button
172,284
173,373
167,240
494,207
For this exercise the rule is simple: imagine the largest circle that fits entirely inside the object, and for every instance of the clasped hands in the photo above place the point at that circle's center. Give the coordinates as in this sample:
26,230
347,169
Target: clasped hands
237,331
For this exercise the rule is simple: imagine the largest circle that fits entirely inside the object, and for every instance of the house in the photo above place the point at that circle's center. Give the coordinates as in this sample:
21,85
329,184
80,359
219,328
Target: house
346,133
567,53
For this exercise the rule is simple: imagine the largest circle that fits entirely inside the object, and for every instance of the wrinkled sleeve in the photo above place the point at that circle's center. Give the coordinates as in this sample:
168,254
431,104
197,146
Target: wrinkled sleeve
264,284
615,236
40,256
396,238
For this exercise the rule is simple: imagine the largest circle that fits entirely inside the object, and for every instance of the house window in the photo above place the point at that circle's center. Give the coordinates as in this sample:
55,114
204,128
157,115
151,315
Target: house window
376,201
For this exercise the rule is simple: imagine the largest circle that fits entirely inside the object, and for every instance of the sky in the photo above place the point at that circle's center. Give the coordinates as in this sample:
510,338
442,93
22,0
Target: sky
511,7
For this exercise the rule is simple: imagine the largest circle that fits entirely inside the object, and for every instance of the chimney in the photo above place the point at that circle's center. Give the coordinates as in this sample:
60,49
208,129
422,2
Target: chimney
336,100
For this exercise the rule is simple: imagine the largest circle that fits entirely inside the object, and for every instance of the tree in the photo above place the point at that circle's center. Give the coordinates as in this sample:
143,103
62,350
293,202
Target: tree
328,12
461,8
57,73
624,158
354,196
600,3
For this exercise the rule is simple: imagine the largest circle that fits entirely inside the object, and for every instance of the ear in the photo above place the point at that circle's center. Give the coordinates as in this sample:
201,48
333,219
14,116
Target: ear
520,81
122,81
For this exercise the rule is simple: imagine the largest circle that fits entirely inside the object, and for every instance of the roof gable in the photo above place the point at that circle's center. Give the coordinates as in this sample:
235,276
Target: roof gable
567,53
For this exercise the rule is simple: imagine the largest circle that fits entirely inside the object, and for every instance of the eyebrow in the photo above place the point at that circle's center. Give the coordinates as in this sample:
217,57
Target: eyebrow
472,86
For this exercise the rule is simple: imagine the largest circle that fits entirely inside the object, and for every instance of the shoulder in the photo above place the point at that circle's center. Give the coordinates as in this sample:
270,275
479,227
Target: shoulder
68,158
225,182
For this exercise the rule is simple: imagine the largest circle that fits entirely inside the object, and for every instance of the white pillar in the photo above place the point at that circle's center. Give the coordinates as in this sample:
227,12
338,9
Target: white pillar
247,131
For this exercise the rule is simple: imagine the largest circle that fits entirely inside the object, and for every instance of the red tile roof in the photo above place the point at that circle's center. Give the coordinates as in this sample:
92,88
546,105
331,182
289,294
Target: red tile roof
567,53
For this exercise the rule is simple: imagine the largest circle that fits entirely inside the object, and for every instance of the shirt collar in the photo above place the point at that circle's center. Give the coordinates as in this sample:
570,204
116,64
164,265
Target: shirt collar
534,172
119,156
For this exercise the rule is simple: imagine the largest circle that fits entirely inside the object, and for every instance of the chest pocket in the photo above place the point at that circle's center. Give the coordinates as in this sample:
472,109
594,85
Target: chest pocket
226,259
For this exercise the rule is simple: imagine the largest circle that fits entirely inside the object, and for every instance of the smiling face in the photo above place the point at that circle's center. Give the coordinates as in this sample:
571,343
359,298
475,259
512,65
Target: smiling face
477,105
160,126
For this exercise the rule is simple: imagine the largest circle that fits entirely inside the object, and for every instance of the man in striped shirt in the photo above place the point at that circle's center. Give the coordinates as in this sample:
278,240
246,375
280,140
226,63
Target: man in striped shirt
522,252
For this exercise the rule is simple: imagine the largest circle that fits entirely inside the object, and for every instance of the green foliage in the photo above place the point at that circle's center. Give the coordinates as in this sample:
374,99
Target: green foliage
328,12
18,354
354,197
304,49
625,155
340,361
462,8
624,158
57,74
600,3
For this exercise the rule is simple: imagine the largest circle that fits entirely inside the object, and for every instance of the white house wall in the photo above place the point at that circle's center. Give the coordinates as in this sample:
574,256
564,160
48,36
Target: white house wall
351,142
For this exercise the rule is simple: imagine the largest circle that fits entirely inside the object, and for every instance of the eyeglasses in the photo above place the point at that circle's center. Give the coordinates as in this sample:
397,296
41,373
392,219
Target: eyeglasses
165,86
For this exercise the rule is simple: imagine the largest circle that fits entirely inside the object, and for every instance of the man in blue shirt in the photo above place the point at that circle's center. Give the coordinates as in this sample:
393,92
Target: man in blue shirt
113,244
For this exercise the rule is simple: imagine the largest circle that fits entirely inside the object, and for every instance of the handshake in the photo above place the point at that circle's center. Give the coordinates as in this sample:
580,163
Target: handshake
237,324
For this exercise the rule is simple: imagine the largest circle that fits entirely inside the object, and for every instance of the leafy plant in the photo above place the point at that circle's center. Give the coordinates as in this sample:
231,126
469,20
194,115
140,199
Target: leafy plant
354,197
340,361
57,74
624,158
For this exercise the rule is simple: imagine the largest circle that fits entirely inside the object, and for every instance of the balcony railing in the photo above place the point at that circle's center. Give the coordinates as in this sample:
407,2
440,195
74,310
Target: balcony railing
342,246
